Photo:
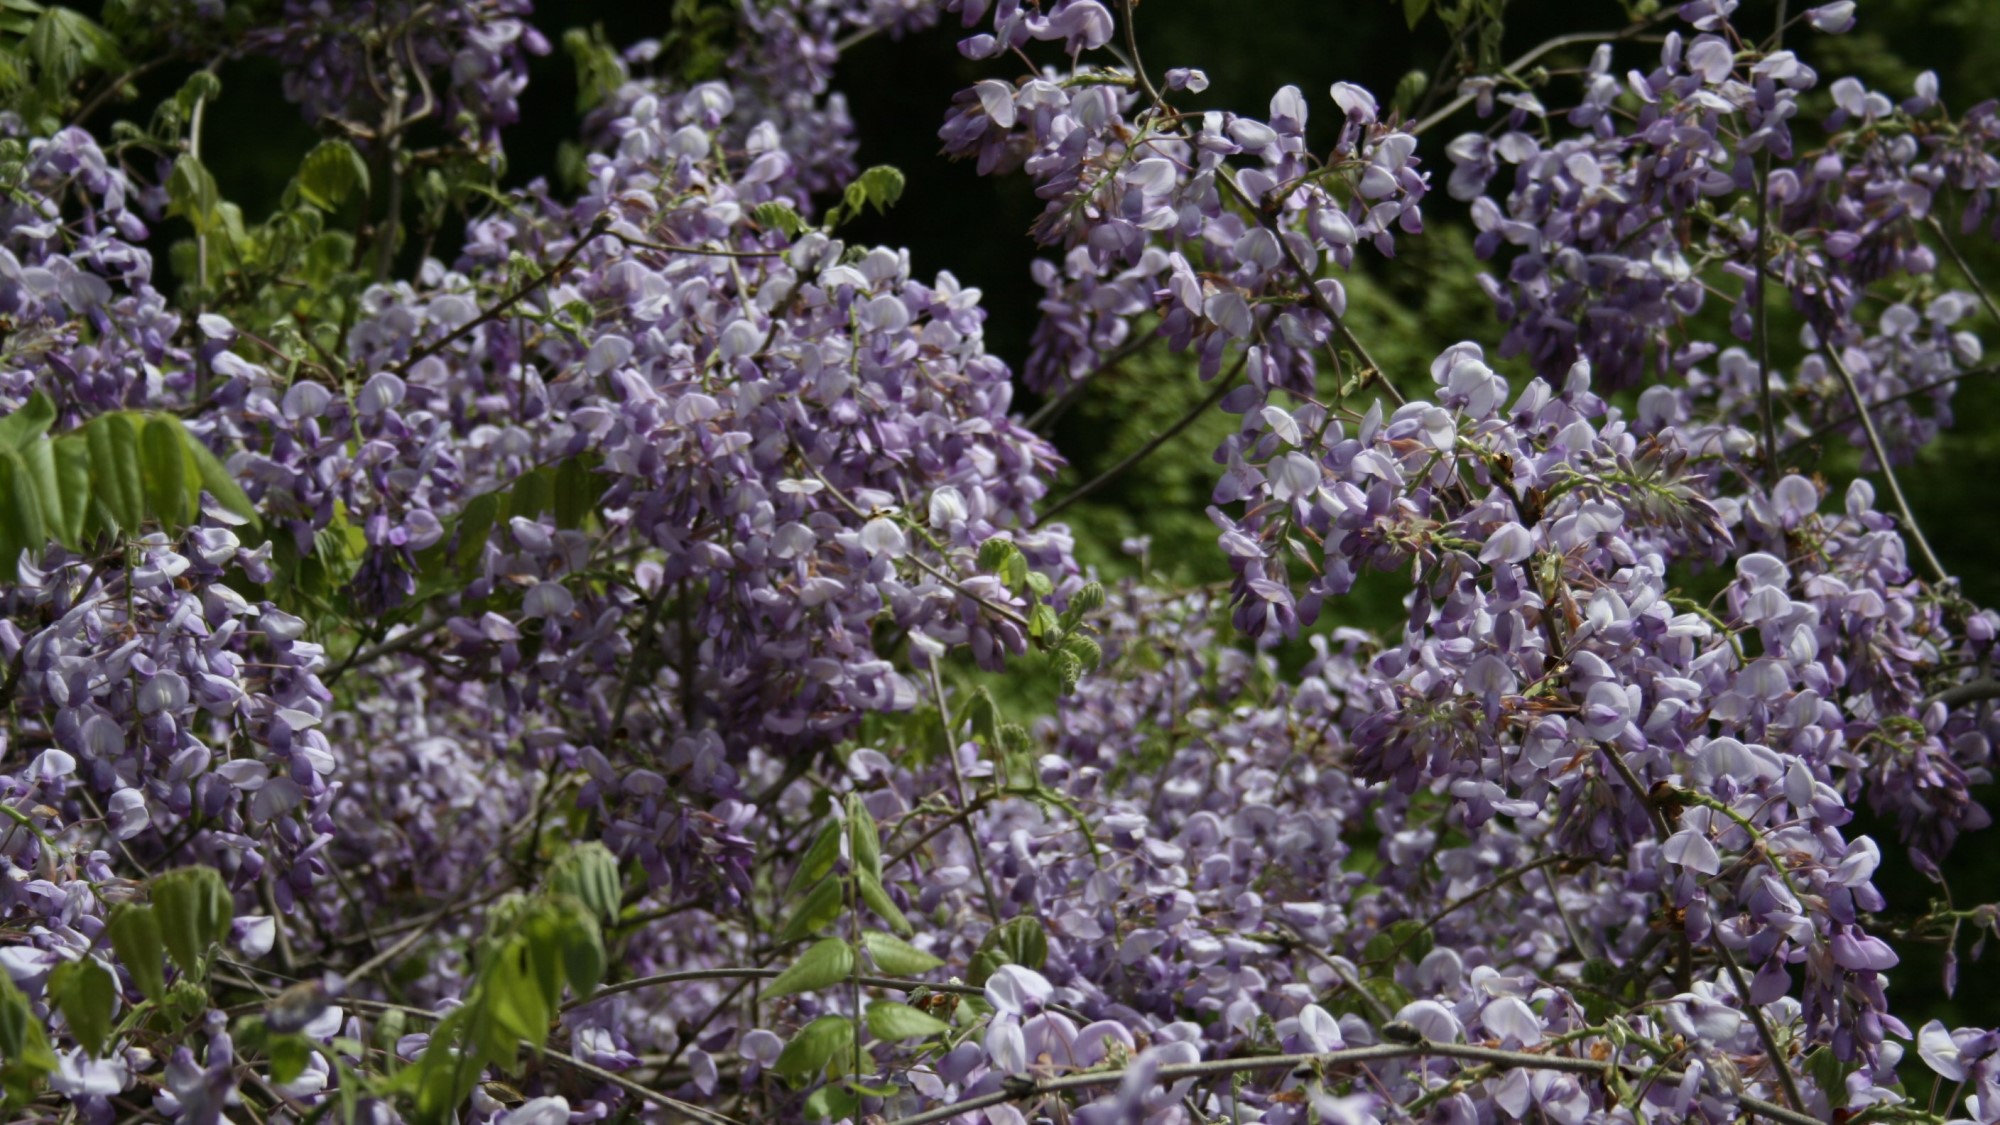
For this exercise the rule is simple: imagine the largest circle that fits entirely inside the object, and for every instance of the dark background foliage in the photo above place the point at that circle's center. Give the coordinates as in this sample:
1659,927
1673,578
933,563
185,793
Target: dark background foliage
952,219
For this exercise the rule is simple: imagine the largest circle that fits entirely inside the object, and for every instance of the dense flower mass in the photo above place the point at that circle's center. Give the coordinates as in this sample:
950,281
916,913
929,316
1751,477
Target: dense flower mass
644,638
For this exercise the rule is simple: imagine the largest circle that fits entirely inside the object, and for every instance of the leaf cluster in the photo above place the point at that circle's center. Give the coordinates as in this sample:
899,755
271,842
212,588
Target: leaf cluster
116,475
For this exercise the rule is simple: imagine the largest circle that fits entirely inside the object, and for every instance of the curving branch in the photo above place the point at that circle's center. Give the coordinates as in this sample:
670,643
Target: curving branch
1022,1090
1916,533
1527,59
1222,387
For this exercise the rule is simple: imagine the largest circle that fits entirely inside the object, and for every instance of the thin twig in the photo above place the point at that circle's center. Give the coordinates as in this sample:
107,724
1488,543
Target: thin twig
1569,924
1537,52
1764,1032
1760,314
114,87
1022,1090
1847,420
1972,691
855,38
1760,328
597,229
1638,789
1916,533
423,920
1383,1012
938,829
1311,280
701,251
1684,977
1054,407
1222,387
1472,896
958,790
1754,1011
1971,278
1132,48
400,642
748,973
861,513
647,630
706,1116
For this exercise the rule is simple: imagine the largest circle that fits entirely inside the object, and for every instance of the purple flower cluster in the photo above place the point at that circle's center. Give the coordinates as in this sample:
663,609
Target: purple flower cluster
387,65
1151,215
1611,238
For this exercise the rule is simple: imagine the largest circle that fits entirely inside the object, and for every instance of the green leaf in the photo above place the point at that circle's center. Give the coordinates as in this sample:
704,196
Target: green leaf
897,957
29,422
86,993
490,1039
820,906
583,957
518,1007
995,553
533,493
1408,939
135,938
63,42
1086,651
114,470
1042,621
192,194
818,1045
588,872
475,523
330,173
881,186
20,513
1413,11
878,900
1087,600
194,911
577,491
39,458
827,962
442,1077
779,215
1069,670
1826,1070
289,1055
201,85
819,858
832,1103
983,964
892,1021
165,458
1020,940
542,931
212,476
985,716
599,71
863,836
73,486
1015,572
1409,89
23,1045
